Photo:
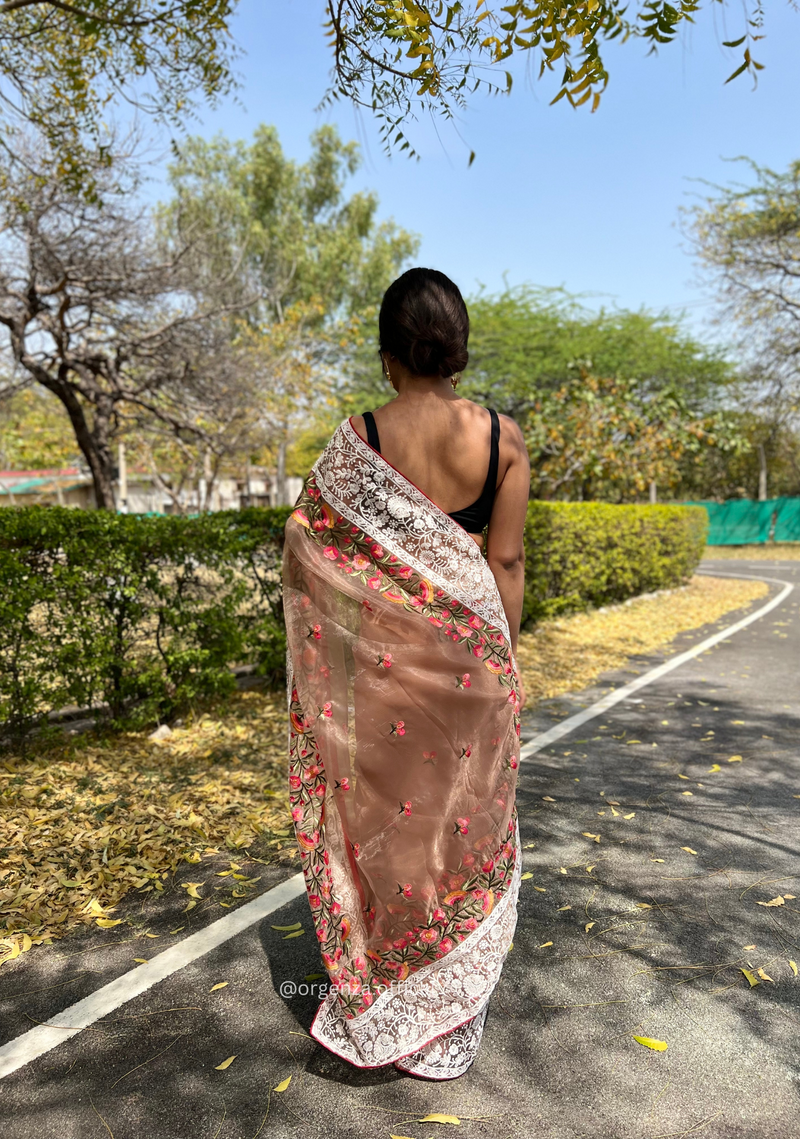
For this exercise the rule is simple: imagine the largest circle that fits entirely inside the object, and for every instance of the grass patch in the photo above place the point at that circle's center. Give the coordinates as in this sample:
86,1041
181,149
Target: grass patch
769,551
569,654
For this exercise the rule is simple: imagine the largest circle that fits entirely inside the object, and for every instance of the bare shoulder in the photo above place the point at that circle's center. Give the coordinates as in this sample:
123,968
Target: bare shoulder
511,438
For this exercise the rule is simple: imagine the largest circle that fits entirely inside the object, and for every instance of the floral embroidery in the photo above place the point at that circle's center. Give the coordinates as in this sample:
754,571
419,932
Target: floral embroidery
397,729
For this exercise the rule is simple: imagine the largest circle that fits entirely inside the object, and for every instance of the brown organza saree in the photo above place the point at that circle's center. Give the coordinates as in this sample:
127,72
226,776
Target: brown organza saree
404,747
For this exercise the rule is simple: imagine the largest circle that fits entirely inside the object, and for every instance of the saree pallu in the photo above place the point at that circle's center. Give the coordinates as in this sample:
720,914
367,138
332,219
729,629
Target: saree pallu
403,756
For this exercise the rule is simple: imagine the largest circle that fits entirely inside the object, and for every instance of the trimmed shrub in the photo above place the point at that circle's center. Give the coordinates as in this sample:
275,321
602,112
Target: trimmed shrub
580,555
137,614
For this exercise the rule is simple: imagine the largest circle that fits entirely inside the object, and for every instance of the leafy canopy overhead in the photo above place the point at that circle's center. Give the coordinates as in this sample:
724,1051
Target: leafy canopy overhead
396,57
62,63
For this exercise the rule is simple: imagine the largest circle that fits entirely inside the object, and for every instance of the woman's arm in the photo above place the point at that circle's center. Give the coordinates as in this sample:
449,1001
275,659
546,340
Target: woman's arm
505,550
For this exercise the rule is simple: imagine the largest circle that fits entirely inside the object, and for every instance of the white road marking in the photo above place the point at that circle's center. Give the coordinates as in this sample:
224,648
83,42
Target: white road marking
558,731
72,1020
62,1027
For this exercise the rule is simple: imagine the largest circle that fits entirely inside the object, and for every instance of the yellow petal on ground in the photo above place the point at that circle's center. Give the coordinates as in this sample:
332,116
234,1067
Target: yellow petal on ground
687,792
286,928
562,908
191,889
773,902
793,966
682,776
399,1137
225,1064
140,960
713,768
644,905
219,985
588,834
648,1042
562,870
283,1085
107,923
735,759
437,1117
589,869
189,906
297,933
752,978
545,944
764,975
547,799
525,876
746,947
541,889
788,896
630,816
588,926
737,721
656,859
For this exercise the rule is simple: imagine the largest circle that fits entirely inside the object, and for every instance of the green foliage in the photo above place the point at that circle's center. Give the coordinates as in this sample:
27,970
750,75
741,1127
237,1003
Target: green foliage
400,57
61,63
140,615
285,231
582,555
528,341
34,432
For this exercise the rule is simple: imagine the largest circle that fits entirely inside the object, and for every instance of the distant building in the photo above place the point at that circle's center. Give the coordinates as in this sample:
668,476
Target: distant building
145,494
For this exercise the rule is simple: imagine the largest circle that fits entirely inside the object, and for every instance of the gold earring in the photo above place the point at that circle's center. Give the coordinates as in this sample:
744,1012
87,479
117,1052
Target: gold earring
386,371
454,380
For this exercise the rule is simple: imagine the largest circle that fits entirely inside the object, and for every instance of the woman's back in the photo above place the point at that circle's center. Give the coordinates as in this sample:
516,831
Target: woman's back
441,445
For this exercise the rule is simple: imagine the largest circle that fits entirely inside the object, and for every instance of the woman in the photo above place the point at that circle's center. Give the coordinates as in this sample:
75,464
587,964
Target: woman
405,698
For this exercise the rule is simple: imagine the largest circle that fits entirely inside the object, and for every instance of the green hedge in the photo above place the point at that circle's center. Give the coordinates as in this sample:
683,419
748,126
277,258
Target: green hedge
141,614
580,555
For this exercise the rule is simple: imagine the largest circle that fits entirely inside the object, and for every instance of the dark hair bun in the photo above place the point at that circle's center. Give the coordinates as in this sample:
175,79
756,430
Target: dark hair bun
424,323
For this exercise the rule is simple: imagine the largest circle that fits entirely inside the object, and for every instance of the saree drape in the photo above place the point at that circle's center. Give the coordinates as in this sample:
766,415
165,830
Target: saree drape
403,757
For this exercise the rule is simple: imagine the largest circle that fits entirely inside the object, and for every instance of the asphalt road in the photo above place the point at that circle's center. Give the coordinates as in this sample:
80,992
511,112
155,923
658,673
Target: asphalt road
633,934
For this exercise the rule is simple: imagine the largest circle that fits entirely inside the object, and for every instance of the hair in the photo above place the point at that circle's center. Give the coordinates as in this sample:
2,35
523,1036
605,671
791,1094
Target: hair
424,323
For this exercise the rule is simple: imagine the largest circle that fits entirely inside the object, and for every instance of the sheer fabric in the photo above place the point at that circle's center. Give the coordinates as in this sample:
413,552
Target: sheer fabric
404,748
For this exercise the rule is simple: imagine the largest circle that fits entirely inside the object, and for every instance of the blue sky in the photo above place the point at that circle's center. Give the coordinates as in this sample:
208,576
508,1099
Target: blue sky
554,196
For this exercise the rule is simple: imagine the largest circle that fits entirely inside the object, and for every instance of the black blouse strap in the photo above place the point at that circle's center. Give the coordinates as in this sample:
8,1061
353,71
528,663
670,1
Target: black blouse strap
372,432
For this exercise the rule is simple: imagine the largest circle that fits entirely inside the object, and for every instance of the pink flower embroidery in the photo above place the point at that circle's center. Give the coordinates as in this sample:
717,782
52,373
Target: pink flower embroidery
294,782
445,945
470,924
360,562
314,900
466,752
297,815
475,621
406,572
462,630
377,551
331,552
462,826
376,581
405,890
488,866
398,729
315,632
463,681
336,908
429,936
436,621
343,784
326,710
405,808
513,763
438,914
385,661
477,651
429,757
356,849
468,859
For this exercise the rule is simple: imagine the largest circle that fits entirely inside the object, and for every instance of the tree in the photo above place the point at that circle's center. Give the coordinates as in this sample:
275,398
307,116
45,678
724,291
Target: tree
107,322
603,438
748,241
63,61
34,432
287,232
398,57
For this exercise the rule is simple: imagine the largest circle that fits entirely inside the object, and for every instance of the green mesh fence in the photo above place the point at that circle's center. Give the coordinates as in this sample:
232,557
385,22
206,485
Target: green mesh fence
741,522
